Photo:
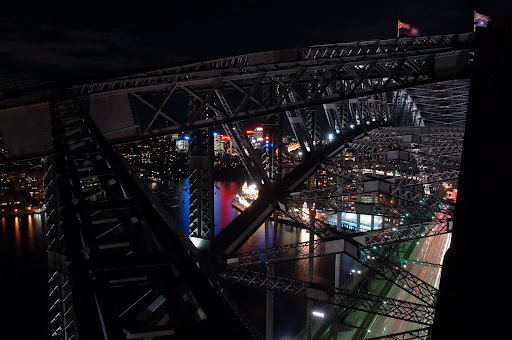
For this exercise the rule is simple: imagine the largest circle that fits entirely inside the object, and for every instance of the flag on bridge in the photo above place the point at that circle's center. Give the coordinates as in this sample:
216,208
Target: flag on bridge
480,20
406,30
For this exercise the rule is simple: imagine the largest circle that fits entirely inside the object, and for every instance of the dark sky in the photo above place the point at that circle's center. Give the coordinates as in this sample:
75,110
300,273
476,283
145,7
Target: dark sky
54,40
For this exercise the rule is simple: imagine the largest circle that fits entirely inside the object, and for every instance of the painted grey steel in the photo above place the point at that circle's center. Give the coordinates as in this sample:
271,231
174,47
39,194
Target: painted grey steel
372,82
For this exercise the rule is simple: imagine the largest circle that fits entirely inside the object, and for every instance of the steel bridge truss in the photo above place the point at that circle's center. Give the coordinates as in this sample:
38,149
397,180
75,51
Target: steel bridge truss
120,267
406,164
290,87
382,66
358,246
417,313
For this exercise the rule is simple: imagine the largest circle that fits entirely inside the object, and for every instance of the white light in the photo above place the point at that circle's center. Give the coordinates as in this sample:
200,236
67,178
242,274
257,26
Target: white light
199,242
319,314
331,136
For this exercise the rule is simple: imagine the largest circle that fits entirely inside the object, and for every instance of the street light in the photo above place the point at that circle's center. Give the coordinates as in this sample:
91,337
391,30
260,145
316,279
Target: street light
355,271
319,314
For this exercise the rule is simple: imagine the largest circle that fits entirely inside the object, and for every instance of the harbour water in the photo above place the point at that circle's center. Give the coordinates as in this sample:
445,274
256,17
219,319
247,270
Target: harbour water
290,312
24,290
24,263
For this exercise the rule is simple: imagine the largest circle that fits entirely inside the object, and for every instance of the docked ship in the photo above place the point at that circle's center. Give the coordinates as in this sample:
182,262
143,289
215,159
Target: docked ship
244,199
249,193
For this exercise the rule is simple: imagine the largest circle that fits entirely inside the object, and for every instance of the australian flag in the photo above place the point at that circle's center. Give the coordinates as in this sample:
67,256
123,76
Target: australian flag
481,20
407,30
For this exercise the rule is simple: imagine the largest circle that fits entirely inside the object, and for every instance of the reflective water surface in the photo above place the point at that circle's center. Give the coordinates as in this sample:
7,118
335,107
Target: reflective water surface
24,263
23,284
289,311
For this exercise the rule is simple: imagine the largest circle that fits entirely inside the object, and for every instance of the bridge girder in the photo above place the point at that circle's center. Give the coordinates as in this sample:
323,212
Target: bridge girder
120,267
418,313
339,72
369,239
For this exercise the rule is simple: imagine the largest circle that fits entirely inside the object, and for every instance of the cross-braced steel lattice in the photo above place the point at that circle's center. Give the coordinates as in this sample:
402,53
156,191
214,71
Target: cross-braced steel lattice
120,267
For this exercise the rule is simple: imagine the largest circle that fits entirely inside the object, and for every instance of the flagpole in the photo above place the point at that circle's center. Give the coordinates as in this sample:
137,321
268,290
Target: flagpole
474,21
398,28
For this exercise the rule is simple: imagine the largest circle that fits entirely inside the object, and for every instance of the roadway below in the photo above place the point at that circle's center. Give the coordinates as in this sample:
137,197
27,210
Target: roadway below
431,250
354,324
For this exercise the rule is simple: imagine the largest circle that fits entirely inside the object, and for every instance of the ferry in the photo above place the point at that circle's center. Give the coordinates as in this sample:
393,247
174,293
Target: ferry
248,195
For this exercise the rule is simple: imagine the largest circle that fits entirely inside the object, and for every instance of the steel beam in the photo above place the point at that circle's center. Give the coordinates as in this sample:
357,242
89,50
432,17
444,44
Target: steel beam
119,268
407,311
373,239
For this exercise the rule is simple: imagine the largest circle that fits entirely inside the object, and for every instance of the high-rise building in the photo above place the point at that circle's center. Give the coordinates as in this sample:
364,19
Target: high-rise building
258,134
35,185
182,144
256,137
221,144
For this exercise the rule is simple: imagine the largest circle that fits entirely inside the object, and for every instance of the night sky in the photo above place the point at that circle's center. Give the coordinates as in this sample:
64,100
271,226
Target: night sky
54,41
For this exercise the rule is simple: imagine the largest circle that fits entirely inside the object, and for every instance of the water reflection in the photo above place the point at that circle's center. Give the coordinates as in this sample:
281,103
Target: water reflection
17,235
223,209
304,235
290,311
4,229
175,195
31,239
21,235
37,223
24,260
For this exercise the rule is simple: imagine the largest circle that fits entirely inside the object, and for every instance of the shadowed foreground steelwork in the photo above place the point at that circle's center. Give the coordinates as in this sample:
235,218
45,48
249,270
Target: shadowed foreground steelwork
121,268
